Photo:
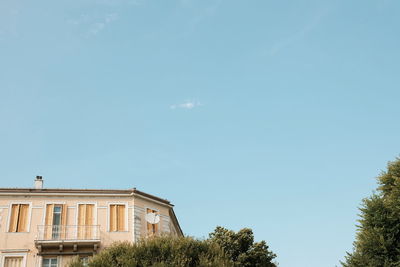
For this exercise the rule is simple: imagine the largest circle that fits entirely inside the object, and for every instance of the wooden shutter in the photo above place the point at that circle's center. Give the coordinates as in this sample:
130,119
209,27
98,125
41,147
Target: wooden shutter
89,214
85,219
19,218
113,218
23,218
49,214
149,229
14,217
13,262
63,221
64,214
81,220
81,214
117,218
155,228
48,221
89,220
121,217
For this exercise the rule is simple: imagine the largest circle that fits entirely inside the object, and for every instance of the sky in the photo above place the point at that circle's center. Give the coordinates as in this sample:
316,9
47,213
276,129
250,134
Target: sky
273,115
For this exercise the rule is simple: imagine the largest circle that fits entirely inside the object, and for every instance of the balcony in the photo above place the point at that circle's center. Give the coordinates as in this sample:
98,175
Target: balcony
67,239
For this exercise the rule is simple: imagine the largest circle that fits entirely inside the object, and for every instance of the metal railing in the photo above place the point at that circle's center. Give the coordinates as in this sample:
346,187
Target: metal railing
68,232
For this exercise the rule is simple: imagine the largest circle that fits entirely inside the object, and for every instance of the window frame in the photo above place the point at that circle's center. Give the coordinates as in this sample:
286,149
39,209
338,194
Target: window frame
86,259
44,258
51,203
44,215
14,255
59,260
28,230
95,221
126,224
86,203
158,224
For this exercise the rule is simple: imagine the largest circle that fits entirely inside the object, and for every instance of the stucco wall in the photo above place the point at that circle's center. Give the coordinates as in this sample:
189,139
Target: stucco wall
23,243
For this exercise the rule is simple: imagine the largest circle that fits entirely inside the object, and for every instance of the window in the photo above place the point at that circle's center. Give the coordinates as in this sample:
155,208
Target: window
117,217
56,215
19,218
56,222
85,216
85,221
85,261
13,261
152,228
49,262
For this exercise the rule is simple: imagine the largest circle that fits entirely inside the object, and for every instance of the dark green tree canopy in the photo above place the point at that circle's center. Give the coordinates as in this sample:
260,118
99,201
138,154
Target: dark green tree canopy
241,248
378,235
224,248
165,251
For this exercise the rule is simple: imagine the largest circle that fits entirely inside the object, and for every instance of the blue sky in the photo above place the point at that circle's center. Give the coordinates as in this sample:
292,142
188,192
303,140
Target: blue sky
274,115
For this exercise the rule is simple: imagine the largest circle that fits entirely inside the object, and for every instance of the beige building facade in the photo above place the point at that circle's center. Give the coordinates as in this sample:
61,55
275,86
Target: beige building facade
42,227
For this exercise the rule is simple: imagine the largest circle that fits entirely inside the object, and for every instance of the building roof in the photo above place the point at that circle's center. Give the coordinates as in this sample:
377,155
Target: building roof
61,191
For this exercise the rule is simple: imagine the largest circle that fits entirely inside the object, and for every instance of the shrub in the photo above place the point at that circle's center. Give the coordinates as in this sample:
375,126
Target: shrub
164,251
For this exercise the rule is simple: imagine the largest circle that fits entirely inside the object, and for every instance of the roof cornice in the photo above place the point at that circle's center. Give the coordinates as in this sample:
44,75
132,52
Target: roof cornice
82,192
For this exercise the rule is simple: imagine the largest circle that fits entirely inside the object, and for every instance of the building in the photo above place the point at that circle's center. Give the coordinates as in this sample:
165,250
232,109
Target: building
42,227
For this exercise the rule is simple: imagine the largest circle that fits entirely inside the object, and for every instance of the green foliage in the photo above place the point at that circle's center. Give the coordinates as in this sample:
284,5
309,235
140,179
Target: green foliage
224,248
76,262
241,249
163,251
378,237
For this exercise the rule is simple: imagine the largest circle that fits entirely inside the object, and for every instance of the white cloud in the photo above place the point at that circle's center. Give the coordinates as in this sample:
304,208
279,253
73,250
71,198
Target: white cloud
189,104
93,25
97,27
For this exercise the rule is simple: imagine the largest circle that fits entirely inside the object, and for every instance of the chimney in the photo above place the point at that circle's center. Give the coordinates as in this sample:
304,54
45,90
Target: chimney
38,182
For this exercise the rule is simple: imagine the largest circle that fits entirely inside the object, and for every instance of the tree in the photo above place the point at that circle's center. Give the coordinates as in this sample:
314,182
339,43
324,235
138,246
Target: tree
241,248
164,251
377,241
224,248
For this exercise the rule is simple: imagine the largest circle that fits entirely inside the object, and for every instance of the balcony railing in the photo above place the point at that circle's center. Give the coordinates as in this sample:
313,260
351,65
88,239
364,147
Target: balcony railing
68,232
